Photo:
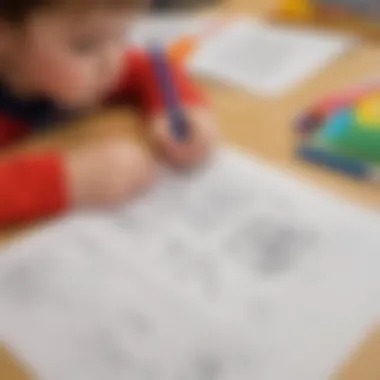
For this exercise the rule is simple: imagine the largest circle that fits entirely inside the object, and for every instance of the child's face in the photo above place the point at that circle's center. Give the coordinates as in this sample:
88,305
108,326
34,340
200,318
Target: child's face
75,59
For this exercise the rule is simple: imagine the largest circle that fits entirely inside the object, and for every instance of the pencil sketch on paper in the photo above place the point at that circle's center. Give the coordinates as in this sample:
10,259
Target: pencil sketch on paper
268,246
212,289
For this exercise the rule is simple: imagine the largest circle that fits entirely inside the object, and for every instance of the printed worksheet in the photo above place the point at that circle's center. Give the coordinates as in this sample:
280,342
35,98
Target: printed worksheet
232,272
266,59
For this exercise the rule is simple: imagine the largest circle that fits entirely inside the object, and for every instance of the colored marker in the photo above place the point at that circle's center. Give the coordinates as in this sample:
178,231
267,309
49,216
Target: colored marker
349,166
178,122
310,121
338,124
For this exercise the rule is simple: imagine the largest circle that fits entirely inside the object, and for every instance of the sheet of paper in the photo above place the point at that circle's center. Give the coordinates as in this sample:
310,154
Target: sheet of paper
233,272
265,59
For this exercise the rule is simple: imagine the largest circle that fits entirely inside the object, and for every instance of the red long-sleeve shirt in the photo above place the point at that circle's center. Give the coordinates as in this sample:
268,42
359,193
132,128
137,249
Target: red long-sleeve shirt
34,186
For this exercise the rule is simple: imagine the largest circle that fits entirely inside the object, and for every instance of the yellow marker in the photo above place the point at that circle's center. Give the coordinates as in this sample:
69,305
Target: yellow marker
296,8
368,111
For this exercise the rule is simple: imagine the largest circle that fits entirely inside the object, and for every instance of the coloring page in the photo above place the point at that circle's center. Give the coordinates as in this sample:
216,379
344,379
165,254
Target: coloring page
235,271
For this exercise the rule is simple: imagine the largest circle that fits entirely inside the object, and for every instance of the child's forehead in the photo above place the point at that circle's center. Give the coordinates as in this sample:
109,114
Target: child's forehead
81,21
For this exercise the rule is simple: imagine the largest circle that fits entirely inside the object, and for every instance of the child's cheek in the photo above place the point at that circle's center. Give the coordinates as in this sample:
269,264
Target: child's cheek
61,76
53,68
70,82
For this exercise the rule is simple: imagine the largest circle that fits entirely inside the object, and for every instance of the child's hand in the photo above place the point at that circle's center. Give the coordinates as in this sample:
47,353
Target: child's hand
202,138
107,174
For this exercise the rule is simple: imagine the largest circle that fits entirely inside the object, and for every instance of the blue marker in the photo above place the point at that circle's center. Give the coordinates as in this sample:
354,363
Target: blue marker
349,166
177,117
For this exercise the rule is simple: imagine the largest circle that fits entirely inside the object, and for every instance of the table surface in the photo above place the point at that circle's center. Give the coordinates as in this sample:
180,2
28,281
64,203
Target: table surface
263,127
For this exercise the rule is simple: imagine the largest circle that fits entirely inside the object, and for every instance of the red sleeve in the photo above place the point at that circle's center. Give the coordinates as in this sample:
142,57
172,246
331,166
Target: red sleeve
138,81
31,187
11,130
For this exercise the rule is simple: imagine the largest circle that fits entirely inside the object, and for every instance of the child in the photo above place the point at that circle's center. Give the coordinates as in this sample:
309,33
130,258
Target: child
61,57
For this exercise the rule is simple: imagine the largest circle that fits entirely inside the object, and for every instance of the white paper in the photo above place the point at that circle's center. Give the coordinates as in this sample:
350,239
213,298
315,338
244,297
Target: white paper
233,272
266,59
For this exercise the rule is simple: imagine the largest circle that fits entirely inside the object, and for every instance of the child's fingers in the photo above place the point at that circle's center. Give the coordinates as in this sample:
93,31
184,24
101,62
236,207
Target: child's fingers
202,136
201,126
177,153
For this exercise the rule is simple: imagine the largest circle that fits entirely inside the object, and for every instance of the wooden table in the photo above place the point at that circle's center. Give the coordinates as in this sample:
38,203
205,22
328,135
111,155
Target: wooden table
263,127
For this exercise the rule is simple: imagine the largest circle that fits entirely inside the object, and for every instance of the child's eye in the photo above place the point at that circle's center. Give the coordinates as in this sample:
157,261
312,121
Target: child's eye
85,46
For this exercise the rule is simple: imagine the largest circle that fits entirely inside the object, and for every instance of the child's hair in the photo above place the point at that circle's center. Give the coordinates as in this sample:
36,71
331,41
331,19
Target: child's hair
19,10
